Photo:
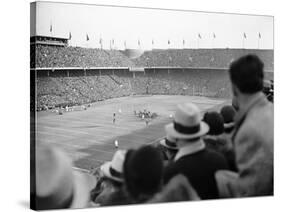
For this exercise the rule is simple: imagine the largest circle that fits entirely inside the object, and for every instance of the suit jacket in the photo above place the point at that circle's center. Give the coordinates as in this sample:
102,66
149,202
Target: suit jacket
253,145
199,168
178,189
223,145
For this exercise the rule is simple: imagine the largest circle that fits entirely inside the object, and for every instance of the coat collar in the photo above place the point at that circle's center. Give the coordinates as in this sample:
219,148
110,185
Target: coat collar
190,148
256,99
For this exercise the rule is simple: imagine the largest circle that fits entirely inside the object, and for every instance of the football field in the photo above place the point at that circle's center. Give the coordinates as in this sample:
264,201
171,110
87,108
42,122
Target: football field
88,136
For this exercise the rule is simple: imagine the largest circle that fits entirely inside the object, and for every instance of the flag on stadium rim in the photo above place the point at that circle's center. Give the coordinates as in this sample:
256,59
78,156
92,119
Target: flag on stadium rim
139,42
214,35
259,35
51,27
152,42
87,37
70,36
245,36
183,41
199,35
169,42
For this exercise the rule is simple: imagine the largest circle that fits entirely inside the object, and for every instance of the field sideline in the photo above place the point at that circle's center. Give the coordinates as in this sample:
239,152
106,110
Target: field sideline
88,136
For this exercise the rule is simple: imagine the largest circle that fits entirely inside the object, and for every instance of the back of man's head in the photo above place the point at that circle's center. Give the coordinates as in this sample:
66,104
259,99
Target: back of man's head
246,73
143,169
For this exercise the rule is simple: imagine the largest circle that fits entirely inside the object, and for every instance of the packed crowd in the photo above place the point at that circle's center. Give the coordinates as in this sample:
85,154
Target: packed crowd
189,82
69,91
77,90
56,91
220,155
51,56
204,58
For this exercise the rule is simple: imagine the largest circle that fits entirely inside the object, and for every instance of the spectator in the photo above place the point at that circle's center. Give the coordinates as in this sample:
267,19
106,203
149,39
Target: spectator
143,171
193,160
216,138
212,139
215,122
178,189
109,189
168,148
228,113
57,185
253,133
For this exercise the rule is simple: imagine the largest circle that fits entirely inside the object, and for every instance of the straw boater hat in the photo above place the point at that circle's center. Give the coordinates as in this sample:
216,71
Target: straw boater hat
59,186
187,123
169,142
114,168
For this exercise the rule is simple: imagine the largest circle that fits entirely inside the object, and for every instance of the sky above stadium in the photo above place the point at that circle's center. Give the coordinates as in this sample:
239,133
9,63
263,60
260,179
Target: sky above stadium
150,28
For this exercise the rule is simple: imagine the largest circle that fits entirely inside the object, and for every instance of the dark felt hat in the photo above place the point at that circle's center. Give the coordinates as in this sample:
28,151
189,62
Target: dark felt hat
143,170
228,113
215,122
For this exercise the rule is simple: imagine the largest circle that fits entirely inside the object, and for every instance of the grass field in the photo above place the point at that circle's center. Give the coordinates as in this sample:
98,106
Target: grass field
88,136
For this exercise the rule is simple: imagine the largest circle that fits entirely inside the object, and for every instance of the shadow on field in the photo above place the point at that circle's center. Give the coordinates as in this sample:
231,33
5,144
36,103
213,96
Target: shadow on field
136,138
146,135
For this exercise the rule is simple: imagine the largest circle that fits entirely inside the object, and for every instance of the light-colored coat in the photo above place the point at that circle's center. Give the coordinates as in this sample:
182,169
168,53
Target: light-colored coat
177,189
253,145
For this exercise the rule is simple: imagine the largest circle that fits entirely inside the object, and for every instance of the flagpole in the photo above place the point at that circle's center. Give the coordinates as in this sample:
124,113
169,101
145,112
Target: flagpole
259,41
168,43
244,38
51,29
70,38
214,37
86,42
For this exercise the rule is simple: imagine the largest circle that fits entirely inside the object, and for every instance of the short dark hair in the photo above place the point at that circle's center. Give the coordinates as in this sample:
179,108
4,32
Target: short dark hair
247,74
143,172
215,122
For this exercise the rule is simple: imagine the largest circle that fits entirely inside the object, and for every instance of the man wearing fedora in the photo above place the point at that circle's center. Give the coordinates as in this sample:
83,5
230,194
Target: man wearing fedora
253,133
193,160
109,189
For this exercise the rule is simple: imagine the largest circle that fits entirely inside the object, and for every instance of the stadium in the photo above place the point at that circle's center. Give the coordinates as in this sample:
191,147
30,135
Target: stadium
141,105
89,98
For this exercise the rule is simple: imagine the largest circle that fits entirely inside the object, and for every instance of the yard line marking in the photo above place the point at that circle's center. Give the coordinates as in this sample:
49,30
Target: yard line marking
91,141
106,124
79,147
108,131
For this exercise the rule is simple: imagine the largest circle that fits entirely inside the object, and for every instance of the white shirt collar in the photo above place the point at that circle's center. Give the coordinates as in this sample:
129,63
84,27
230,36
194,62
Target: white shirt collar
190,148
